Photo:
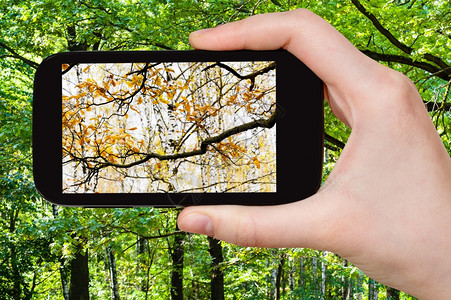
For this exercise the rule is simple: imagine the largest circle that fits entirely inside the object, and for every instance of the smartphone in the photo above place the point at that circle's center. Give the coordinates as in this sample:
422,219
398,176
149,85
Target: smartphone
176,128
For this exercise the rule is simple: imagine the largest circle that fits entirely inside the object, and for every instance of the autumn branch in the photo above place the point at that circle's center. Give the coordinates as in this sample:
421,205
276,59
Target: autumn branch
263,123
90,148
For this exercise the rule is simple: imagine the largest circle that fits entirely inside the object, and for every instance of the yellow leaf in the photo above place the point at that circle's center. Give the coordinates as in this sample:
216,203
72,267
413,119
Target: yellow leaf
133,128
186,106
162,99
132,108
256,162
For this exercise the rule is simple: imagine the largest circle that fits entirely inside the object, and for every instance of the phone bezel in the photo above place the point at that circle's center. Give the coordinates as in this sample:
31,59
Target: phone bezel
299,131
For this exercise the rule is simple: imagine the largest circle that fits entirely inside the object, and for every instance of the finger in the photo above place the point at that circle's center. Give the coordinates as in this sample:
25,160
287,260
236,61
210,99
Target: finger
308,223
314,41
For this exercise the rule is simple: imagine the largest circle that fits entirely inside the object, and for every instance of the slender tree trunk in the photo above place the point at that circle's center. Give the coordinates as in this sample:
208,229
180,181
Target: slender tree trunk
113,274
273,279
216,274
141,249
291,277
373,290
17,288
315,276
392,294
193,293
63,271
64,280
279,278
177,254
17,277
345,283
79,279
359,287
301,274
273,290
284,279
323,277
370,289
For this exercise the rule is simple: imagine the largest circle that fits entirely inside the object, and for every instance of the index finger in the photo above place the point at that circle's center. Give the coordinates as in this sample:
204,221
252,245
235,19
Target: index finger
313,40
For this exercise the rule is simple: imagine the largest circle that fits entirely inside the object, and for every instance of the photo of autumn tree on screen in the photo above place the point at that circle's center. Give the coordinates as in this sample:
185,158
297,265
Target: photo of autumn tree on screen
203,127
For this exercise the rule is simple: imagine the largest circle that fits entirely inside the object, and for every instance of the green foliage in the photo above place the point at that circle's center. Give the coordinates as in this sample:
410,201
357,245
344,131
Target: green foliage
37,243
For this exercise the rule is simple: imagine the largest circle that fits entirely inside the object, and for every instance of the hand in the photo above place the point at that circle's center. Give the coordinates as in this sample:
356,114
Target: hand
386,206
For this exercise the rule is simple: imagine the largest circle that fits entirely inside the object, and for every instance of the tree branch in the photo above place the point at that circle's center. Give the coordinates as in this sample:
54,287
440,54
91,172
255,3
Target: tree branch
334,141
406,49
403,47
444,73
434,106
263,123
16,55
250,76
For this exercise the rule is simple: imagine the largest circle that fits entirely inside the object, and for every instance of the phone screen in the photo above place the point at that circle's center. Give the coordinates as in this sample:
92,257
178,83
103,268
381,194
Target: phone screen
169,127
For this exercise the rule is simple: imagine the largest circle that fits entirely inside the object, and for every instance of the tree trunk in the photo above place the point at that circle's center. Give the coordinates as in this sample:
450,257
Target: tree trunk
216,274
17,288
17,277
373,290
63,271
64,280
315,276
273,279
177,255
392,294
323,277
79,279
301,274
113,274
193,292
345,283
359,286
140,250
292,275
279,277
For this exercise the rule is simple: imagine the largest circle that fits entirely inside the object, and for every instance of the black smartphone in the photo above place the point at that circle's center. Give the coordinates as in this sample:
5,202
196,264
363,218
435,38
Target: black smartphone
176,128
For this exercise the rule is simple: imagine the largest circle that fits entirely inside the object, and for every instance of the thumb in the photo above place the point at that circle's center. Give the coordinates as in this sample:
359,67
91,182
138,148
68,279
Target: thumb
307,223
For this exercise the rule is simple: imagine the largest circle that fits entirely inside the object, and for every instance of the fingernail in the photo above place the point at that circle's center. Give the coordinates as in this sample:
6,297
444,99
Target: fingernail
198,33
197,223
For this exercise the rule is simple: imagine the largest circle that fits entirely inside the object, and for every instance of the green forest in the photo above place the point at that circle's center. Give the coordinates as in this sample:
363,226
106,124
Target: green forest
53,252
